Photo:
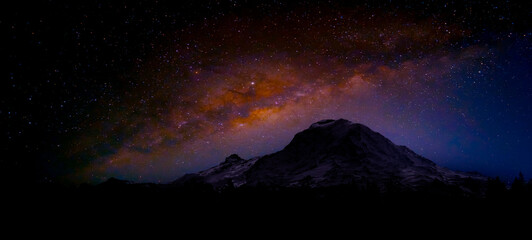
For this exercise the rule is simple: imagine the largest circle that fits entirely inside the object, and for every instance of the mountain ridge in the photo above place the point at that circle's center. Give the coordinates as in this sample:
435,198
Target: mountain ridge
333,153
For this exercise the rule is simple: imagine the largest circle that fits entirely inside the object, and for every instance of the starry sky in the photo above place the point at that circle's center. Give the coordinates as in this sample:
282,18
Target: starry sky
148,91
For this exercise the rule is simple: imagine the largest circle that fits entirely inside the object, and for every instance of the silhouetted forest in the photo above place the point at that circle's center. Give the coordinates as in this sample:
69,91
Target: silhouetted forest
119,194
197,203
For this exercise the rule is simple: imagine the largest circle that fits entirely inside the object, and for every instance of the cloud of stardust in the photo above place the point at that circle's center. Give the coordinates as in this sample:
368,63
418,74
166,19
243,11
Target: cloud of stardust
230,88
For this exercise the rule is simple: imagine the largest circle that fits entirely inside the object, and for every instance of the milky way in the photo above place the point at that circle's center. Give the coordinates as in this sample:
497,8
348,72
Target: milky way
246,81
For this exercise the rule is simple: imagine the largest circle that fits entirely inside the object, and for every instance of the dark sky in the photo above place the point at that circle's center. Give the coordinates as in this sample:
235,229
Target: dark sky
150,90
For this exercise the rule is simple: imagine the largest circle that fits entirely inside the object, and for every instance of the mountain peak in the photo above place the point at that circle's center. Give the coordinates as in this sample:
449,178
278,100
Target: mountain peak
233,158
331,122
331,153
340,128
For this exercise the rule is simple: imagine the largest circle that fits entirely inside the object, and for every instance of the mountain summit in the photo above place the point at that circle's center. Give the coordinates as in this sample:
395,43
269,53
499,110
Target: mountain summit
333,153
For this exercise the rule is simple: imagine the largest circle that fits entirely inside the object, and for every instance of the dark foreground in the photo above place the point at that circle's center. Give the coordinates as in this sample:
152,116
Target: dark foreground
333,212
124,203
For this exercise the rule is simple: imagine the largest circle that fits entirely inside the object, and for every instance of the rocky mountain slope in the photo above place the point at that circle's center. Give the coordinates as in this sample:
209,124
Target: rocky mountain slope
333,153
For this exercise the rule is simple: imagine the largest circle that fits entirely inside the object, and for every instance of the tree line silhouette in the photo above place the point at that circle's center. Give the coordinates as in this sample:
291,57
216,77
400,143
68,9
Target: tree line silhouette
520,189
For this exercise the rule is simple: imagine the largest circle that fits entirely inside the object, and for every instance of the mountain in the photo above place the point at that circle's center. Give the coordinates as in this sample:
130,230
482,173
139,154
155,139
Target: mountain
336,153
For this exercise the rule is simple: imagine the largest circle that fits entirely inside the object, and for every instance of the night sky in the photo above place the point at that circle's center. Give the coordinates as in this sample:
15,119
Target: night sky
148,91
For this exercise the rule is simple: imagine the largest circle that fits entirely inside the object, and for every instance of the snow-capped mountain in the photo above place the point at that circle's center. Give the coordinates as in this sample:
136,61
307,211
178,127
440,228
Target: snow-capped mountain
332,153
